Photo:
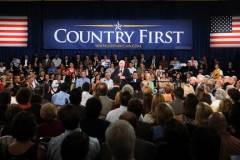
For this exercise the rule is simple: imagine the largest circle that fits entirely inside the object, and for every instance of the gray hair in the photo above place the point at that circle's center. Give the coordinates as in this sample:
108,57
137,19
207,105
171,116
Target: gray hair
220,94
201,77
209,88
128,88
220,83
211,81
235,78
120,139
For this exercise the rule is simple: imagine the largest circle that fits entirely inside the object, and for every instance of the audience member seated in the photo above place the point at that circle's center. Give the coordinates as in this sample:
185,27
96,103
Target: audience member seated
23,128
47,94
75,146
205,97
61,97
107,103
113,115
51,127
234,117
163,112
143,149
75,99
70,120
205,143
150,83
203,111
177,103
147,100
219,95
230,145
23,97
91,124
40,91
168,88
117,100
142,90
128,88
225,107
150,117
10,113
85,93
120,146
82,79
187,89
14,92
5,100
177,145
143,130
116,87
36,103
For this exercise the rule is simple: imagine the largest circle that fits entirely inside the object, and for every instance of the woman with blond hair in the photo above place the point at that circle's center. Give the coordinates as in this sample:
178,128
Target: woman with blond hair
225,106
117,99
163,111
147,89
168,88
188,89
51,127
150,117
203,111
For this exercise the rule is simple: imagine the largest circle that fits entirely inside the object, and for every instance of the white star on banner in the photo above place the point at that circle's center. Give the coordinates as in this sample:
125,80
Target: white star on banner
118,26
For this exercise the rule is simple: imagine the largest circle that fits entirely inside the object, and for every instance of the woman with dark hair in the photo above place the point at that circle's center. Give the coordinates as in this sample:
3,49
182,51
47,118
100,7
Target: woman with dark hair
134,61
73,80
29,69
56,83
234,117
96,81
147,101
23,97
115,60
178,143
23,128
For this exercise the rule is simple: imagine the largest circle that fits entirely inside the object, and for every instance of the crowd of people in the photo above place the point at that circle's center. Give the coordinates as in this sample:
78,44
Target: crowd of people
118,109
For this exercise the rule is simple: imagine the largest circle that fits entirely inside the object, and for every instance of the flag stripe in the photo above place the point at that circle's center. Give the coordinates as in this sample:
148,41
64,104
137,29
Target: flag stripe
13,31
226,40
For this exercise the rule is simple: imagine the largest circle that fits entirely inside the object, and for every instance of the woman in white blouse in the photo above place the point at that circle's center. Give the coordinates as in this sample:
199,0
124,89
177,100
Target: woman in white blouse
193,62
56,83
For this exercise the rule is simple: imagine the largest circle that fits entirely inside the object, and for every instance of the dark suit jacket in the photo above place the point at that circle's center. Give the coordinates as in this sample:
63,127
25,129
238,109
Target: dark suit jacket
67,79
66,63
200,86
112,92
35,109
38,61
46,64
135,85
23,61
145,62
76,63
144,131
143,151
177,106
125,73
94,127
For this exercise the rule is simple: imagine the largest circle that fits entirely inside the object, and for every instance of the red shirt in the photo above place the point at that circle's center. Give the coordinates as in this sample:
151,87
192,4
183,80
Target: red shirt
50,129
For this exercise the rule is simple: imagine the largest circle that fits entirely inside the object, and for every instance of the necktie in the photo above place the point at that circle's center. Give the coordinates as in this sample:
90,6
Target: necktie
82,82
120,71
108,85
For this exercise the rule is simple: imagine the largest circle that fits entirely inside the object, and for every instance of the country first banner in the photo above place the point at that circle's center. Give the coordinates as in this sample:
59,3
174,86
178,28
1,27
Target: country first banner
118,34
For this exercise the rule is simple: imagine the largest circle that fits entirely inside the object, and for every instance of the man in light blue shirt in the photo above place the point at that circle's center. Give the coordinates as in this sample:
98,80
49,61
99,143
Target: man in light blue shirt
108,80
70,119
61,97
83,79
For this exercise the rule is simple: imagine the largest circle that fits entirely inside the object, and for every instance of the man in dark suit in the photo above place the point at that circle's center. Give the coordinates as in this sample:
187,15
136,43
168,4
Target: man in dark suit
200,82
65,77
135,82
153,61
122,72
46,63
35,61
25,62
66,61
116,88
77,61
177,103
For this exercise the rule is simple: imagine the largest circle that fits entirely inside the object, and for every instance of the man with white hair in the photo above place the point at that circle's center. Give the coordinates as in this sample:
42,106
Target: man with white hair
200,81
108,81
122,72
122,145
233,81
226,80
192,81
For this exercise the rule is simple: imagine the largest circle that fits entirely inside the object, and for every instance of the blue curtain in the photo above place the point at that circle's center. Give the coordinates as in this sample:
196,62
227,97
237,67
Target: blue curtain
198,12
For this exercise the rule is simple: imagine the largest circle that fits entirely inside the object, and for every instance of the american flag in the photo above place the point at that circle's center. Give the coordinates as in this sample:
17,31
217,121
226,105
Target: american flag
225,32
13,31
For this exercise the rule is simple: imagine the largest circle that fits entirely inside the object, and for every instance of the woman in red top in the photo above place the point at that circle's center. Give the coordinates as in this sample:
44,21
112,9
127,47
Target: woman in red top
71,69
51,127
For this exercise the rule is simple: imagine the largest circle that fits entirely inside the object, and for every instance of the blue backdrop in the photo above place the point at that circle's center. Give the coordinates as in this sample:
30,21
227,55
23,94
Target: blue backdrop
198,12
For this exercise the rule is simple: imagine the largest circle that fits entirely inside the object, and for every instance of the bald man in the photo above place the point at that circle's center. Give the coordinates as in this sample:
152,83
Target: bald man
230,145
122,72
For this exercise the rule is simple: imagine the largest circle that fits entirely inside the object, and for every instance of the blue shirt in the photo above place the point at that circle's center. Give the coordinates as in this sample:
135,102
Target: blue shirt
80,81
59,98
52,69
55,143
109,82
